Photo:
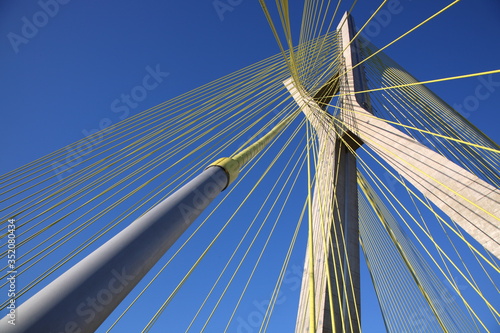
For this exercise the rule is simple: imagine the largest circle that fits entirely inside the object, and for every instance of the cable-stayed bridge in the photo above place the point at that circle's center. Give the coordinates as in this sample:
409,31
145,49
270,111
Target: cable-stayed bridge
366,121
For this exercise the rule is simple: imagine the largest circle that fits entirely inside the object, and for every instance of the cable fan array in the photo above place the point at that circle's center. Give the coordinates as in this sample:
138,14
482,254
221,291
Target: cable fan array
240,266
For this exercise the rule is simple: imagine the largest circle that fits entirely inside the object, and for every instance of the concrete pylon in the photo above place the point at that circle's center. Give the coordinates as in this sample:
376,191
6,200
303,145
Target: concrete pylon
471,202
467,199
335,202
335,230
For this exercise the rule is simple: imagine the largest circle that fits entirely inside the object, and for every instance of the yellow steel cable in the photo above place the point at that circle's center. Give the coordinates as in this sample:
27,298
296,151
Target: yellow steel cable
239,180
430,238
130,165
70,155
435,144
65,188
423,246
344,273
416,196
198,92
96,163
115,224
378,264
274,297
283,11
310,240
433,179
73,154
431,133
420,130
425,96
167,301
27,288
264,246
311,65
318,67
368,264
314,15
398,290
441,219
304,26
438,119
458,252
233,164
52,246
358,33
403,255
325,224
466,153
471,171
496,71
248,229
408,32
368,233
456,267
451,277
403,35
275,33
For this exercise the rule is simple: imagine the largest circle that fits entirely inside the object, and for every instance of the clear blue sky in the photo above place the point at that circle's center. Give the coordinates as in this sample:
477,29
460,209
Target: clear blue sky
58,82
64,79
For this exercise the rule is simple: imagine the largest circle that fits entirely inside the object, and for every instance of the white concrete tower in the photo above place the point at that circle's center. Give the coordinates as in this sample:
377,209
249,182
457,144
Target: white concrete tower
471,202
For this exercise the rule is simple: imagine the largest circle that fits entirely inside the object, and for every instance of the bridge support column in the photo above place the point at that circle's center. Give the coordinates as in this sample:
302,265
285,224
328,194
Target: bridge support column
335,228
83,297
471,202
336,238
335,203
